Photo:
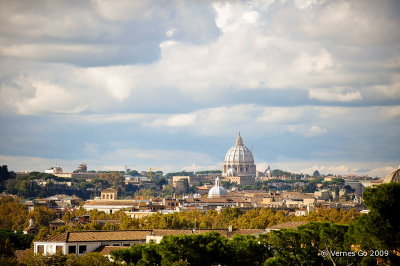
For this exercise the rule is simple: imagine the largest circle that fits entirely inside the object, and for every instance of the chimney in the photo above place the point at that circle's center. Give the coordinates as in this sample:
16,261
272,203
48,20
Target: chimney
230,228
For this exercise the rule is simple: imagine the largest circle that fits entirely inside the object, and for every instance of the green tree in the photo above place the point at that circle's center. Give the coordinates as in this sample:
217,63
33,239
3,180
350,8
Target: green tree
380,228
292,247
331,238
93,259
18,239
247,250
115,179
202,249
4,176
128,255
150,255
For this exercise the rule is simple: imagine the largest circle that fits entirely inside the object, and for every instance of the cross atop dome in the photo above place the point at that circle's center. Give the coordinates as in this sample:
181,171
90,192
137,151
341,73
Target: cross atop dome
239,140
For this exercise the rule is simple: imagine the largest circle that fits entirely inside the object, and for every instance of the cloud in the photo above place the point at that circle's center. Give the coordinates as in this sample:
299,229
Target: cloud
250,47
390,112
164,160
330,95
200,71
175,121
374,168
50,96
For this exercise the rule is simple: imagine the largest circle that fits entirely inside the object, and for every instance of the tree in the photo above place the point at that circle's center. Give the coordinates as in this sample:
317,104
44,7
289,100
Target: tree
93,259
42,216
182,186
380,228
292,247
316,173
128,255
202,249
247,250
4,176
134,173
329,237
12,214
17,239
115,179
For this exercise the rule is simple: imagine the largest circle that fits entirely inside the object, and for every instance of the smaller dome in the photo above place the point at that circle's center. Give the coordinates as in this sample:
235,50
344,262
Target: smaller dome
231,172
217,190
393,176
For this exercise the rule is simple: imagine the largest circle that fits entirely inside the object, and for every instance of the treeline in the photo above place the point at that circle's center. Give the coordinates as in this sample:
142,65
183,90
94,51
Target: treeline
41,185
303,246
211,219
16,216
28,258
370,239
364,240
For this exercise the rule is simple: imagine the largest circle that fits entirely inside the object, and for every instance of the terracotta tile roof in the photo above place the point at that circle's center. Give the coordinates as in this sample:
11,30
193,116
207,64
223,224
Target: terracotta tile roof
57,221
287,225
169,232
217,200
56,238
129,235
92,236
107,235
108,190
106,250
248,231
111,202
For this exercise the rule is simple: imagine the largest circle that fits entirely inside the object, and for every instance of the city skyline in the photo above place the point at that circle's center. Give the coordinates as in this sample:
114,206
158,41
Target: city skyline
311,85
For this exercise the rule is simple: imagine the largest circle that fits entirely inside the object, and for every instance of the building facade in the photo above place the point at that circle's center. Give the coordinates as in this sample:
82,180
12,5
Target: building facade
239,164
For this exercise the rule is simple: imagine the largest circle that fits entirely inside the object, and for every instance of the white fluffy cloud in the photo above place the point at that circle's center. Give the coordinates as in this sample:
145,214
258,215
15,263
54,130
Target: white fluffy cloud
255,50
290,70
332,95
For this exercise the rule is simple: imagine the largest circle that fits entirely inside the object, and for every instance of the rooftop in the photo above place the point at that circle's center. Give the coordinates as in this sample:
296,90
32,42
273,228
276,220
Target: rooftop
134,235
94,236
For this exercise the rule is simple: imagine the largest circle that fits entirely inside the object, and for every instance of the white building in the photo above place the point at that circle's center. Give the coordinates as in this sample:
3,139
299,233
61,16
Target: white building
239,164
217,190
83,242
54,170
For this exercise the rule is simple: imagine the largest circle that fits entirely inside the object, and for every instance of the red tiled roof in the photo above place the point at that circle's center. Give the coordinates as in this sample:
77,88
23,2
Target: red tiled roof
132,235
111,202
92,236
108,190
287,225
106,250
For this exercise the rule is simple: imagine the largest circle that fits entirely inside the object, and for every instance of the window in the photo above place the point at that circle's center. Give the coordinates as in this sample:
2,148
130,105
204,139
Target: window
82,249
72,250
59,249
126,244
40,249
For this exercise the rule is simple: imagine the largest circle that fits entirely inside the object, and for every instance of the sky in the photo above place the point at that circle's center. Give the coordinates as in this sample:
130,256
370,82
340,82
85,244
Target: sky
310,85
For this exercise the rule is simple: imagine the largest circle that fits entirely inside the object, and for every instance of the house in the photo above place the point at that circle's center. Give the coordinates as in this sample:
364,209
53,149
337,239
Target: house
157,234
83,242
108,202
